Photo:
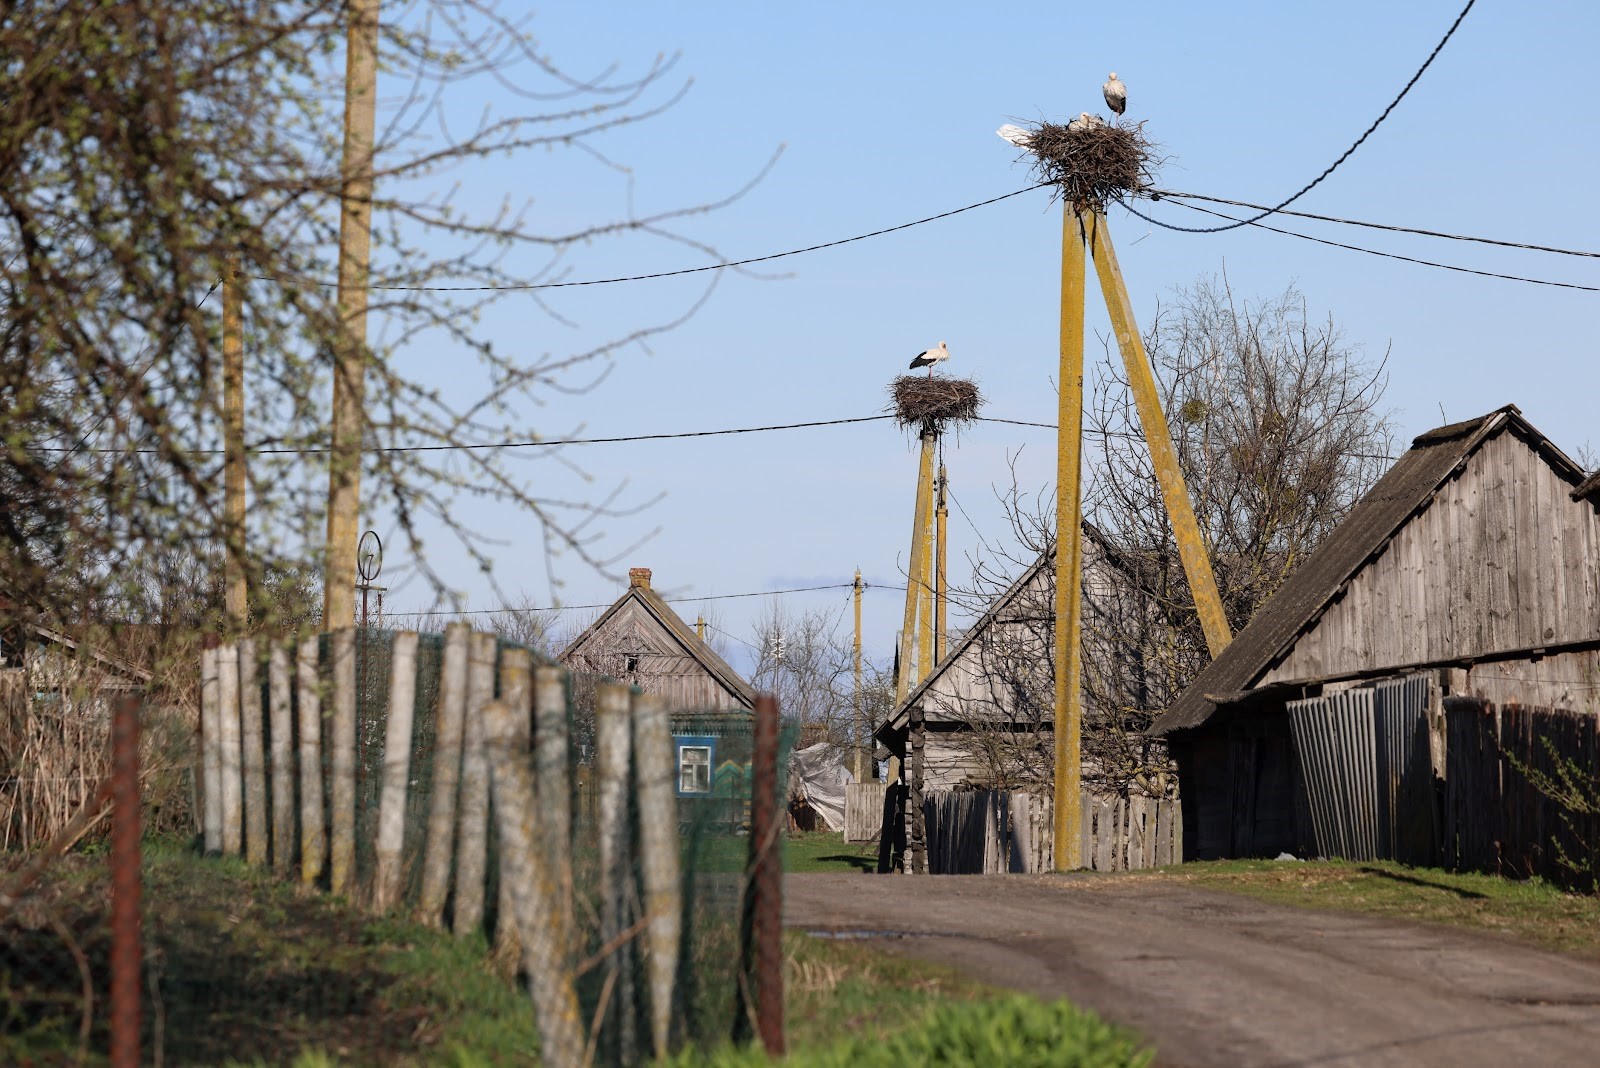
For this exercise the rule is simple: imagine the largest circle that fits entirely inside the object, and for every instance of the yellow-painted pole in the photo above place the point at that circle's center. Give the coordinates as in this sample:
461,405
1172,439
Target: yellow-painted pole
349,366
1068,650
925,584
1185,528
235,589
863,733
942,514
919,526
700,628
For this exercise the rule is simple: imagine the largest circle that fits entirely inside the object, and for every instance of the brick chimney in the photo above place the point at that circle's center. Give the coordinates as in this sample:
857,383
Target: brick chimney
639,576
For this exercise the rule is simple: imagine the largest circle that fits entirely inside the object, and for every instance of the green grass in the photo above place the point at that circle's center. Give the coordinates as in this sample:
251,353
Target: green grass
1533,911
817,851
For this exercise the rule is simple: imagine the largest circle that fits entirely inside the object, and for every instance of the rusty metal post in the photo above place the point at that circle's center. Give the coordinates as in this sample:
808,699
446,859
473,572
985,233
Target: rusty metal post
1068,650
1146,398
125,883
763,951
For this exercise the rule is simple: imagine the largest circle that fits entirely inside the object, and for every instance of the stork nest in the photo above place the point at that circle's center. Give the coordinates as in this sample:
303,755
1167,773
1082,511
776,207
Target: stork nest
921,400
1094,166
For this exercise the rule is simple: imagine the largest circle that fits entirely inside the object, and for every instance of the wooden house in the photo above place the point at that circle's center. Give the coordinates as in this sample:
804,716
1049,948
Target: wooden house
1471,567
640,640
988,706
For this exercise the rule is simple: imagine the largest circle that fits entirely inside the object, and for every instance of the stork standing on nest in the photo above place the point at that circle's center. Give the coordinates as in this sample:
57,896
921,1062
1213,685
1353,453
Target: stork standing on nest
1116,94
929,357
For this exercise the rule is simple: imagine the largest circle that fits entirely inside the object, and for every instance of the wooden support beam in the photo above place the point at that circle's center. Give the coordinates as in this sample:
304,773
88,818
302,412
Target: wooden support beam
1068,724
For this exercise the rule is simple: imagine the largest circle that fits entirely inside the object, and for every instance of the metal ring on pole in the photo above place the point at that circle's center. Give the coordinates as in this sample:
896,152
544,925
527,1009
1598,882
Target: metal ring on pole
369,556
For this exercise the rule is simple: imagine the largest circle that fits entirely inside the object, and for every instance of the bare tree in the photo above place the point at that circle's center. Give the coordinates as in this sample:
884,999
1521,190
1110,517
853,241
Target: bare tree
1279,430
146,145
807,662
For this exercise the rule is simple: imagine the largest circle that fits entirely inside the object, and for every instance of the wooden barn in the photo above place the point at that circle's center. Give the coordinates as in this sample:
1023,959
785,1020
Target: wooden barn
1471,567
988,706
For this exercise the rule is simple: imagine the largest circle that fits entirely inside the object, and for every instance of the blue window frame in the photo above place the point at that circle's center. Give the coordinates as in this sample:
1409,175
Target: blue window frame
697,763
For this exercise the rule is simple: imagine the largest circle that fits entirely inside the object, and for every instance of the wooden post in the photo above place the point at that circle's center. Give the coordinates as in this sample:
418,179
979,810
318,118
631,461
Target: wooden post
255,754
554,781
229,743
235,588
1147,399
451,718
536,912
917,829
472,826
659,846
762,953
355,246
516,695
396,772
925,583
700,628
313,836
280,729
613,744
863,730
1068,651
342,762
210,744
919,527
941,524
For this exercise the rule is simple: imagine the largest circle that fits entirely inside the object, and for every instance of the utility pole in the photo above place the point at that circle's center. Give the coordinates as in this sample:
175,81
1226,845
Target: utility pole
1069,550
700,628
863,733
919,527
941,524
925,591
236,605
349,367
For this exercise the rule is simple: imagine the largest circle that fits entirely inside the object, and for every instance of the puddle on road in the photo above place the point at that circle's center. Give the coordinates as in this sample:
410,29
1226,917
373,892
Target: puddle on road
864,933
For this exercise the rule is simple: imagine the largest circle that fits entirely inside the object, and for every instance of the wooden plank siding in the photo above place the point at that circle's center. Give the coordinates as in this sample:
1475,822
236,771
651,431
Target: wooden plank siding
1500,559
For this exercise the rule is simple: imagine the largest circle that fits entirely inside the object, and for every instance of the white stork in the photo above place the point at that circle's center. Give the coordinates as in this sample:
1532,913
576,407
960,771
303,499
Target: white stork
1084,122
1116,94
1016,135
929,357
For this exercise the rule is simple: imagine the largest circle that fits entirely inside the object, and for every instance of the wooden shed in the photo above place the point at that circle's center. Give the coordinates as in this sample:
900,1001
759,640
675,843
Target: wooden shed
1472,566
642,641
988,706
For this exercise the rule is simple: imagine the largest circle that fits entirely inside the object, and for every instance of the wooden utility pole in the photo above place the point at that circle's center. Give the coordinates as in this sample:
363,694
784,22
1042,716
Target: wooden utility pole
1069,551
863,734
942,515
919,527
1142,382
349,369
235,588
925,592
700,628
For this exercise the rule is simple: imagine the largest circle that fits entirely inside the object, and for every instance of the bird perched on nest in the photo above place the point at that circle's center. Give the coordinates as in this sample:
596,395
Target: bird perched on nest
930,357
1116,94
1085,122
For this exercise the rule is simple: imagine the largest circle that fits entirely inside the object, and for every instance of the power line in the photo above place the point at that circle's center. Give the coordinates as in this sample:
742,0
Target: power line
1159,194
520,286
1374,252
1236,223
673,600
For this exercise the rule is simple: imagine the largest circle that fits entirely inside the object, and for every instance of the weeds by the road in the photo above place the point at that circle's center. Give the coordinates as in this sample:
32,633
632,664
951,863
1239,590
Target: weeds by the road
1533,910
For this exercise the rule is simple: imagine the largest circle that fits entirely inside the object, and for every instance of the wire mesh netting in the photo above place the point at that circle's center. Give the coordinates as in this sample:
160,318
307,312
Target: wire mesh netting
631,834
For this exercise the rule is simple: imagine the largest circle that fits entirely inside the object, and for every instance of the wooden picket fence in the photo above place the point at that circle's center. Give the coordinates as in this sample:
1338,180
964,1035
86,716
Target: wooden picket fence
279,767
994,831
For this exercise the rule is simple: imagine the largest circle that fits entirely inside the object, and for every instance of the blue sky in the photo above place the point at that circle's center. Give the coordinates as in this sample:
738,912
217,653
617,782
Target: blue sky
886,113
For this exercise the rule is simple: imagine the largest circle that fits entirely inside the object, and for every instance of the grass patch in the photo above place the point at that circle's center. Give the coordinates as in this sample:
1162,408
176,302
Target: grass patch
816,851
1534,911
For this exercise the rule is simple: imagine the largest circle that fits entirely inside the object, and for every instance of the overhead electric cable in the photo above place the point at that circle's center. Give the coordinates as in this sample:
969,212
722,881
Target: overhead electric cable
1375,252
1166,193
1236,223
519,286
672,600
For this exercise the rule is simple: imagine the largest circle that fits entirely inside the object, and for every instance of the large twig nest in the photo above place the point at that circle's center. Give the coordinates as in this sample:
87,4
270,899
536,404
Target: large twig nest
1093,163
923,400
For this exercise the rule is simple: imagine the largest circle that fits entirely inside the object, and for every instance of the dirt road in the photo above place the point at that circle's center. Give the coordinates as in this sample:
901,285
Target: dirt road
1216,979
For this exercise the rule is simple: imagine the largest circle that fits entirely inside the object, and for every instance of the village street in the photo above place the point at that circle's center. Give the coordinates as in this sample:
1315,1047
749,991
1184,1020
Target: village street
1218,979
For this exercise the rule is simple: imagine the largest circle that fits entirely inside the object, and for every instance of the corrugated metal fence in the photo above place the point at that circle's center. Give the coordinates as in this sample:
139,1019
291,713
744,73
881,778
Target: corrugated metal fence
992,831
1366,771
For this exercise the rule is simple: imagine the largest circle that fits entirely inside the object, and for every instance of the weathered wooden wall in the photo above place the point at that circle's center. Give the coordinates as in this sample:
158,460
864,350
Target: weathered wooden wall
974,832
863,811
1501,559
